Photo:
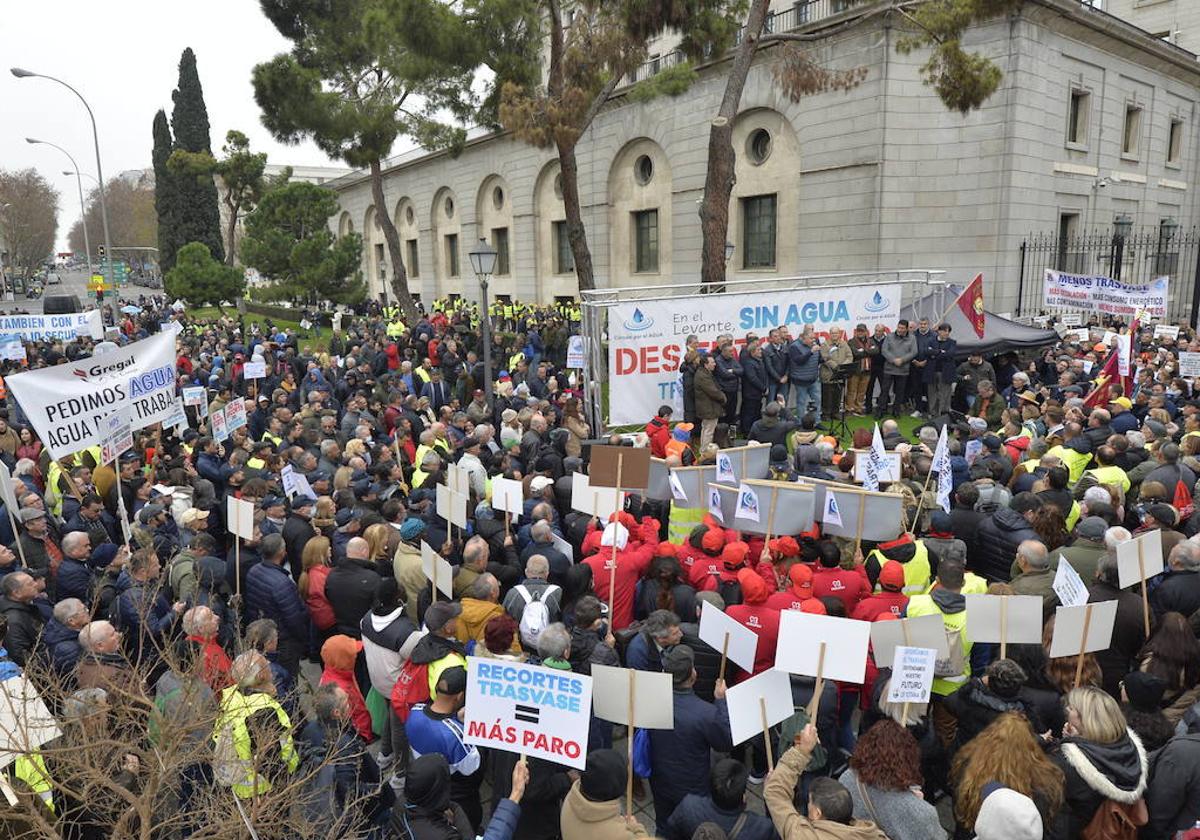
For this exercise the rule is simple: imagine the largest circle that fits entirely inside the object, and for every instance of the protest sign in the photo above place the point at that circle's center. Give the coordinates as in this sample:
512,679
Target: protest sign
866,514
255,370
623,467
714,503
7,494
912,675
528,709
1080,630
732,638
88,324
458,479
693,482
287,477
1015,619
618,691
507,496
1104,295
601,502
889,470
576,354
725,474
239,516
178,417
118,436
1138,560
1166,331
823,647
1071,319
1189,364
660,485
11,349
220,428
562,545
66,403
926,631
25,722
747,504
1068,585
783,508
437,570
193,396
758,704
235,414
451,506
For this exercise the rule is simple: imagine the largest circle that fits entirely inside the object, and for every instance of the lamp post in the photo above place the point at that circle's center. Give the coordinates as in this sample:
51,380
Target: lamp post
28,74
483,261
1122,225
729,249
87,244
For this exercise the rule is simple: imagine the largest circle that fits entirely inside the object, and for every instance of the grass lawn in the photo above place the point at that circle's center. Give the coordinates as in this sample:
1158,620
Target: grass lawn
308,344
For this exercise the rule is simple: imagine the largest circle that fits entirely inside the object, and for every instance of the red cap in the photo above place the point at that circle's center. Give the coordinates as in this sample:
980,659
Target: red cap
785,547
734,554
814,606
666,549
713,541
801,577
340,651
891,576
754,588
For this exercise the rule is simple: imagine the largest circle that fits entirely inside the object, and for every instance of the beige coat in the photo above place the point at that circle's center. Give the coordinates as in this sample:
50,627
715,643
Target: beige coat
406,566
583,819
791,825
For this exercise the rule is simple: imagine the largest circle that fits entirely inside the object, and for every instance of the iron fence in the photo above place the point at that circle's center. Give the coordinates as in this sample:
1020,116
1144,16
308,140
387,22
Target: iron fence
1137,256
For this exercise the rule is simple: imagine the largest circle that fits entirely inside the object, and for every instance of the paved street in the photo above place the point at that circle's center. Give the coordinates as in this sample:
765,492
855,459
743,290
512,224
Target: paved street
73,283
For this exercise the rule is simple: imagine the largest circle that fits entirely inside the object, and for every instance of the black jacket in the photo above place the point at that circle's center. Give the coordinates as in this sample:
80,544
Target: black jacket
350,588
1128,635
679,756
24,626
297,531
696,809
964,524
976,706
588,649
707,660
754,378
1096,772
771,430
996,543
1179,592
1173,795
728,374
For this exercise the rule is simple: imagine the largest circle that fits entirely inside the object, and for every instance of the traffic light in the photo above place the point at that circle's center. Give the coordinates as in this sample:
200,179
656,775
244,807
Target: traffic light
101,250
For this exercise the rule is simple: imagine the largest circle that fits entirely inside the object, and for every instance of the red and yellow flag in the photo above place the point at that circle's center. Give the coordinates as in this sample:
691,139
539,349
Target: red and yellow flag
971,304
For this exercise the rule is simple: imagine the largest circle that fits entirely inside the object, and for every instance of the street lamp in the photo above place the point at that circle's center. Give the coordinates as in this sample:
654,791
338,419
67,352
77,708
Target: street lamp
87,243
483,261
729,248
26,74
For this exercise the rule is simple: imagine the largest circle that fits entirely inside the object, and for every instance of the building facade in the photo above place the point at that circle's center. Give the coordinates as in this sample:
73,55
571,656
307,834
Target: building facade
1177,21
1094,121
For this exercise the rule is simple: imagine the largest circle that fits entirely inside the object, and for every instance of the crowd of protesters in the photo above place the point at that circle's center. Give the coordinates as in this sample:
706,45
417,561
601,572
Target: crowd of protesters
322,631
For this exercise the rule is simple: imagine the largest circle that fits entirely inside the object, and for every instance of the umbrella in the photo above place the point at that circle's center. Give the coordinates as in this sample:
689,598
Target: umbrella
131,309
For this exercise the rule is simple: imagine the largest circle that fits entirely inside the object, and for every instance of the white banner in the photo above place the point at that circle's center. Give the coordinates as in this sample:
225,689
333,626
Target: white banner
1189,364
1103,295
646,338
66,403
51,327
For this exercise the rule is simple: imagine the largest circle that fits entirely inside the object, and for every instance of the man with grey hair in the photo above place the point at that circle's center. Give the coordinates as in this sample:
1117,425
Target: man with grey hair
554,645
17,593
102,664
536,588
660,632
1170,471
61,635
479,606
1035,577
1180,589
541,541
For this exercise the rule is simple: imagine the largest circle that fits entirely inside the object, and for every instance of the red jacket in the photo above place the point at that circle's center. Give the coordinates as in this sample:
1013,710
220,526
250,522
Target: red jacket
632,563
358,707
318,605
872,607
216,663
785,600
848,586
763,621
659,432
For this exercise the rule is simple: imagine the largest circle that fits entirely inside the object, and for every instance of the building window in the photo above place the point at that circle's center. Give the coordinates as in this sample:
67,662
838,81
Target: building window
645,237
500,243
1175,142
564,259
1070,257
498,197
1077,124
409,215
449,208
379,260
1131,138
758,146
643,169
452,255
414,260
758,231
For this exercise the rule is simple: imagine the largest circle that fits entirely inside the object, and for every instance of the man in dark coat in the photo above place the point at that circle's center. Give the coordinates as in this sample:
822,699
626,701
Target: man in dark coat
24,619
271,593
297,531
728,375
351,587
773,427
724,806
1128,635
754,385
1000,534
940,370
1180,588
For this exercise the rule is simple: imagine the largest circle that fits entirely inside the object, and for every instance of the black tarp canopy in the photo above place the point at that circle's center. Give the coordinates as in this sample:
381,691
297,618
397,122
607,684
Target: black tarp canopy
999,334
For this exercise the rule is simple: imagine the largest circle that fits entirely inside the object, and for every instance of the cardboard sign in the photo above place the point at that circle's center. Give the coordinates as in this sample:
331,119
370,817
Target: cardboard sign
178,419
1068,585
601,502
1166,331
678,494
634,463
562,545
716,627
653,706
714,502
219,428
193,396
1189,365
783,508
576,354
254,370
527,709
118,436
431,561
758,703
1129,573
1014,619
25,722
845,642
508,496
694,481
1069,639
11,349
451,506
235,414
912,675
295,484
881,514
239,517
889,470
926,631
725,474
747,504
7,494
1071,319
458,479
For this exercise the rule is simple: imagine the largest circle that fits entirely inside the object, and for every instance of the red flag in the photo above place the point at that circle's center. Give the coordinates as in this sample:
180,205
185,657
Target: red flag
971,304
1098,396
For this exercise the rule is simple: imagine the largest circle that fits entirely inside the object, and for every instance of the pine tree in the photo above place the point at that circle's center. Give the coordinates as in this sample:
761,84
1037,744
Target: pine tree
198,219
165,195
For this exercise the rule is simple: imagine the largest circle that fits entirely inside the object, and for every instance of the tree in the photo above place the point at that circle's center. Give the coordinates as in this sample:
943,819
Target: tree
196,215
241,171
201,280
353,82
288,240
602,43
165,194
131,217
962,80
28,218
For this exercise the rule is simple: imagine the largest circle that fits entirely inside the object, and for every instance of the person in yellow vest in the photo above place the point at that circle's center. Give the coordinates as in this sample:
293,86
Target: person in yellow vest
1106,473
952,672
1075,455
421,375
909,552
250,726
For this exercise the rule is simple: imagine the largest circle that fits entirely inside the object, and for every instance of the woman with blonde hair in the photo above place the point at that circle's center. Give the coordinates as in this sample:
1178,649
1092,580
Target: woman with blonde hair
1060,671
1007,752
341,478
355,448
1101,758
315,561
323,516
377,543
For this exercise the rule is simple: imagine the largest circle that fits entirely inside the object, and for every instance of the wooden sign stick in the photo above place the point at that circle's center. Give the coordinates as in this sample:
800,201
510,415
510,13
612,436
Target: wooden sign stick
920,503
507,524
1087,623
435,565
237,564
907,643
1004,627
862,511
612,572
724,655
629,757
762,708
70,480
742,476
815,707
1145,597
771,513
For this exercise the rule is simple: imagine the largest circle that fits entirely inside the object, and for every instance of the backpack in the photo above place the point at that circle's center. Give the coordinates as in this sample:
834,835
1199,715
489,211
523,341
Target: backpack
536,615
1182,501
955,663
411,688
1116,821
793,726
641,753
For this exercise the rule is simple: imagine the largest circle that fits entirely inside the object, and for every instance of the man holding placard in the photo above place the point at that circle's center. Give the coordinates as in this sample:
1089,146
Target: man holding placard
953,671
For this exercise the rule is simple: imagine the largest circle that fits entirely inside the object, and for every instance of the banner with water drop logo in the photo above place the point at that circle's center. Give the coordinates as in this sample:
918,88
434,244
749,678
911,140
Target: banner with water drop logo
647,338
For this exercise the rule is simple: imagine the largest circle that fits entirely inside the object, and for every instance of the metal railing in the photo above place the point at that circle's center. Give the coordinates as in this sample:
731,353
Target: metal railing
1137,256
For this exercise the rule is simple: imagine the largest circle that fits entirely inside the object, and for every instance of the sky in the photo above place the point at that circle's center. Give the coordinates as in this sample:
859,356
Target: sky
123,56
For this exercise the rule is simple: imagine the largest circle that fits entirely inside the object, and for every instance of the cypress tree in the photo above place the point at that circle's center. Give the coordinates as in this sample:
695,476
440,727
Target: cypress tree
198,218
165,195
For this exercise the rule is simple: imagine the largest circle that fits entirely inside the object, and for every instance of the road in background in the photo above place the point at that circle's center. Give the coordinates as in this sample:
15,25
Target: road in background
74,283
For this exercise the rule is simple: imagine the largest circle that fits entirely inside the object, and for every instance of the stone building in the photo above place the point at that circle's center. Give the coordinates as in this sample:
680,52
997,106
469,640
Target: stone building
1177,21
1095,120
